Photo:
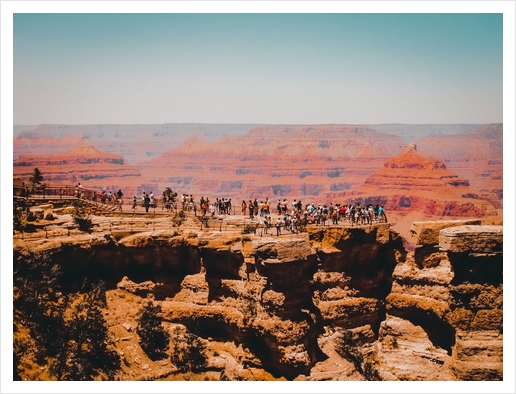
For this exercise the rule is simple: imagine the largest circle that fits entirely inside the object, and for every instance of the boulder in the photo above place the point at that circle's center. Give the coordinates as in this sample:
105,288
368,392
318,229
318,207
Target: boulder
427,233
473,239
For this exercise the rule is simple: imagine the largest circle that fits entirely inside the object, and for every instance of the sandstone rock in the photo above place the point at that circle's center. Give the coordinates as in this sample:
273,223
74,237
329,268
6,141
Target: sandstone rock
406,353
425,304
142,288
478,355
299,287
283,250
427,233
476,154
91,166
270,161
437,270
350,312
479,239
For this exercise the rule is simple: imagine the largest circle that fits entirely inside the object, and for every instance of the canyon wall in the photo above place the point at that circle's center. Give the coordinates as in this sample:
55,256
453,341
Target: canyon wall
476,155
298,303
311,163
302,162
86,165
412,181
134,142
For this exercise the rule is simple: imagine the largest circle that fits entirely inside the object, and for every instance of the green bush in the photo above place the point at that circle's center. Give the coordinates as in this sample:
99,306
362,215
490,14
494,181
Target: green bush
154,340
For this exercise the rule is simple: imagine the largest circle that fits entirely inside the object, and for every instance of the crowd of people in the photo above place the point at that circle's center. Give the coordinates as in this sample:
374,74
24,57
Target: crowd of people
320,214
105,197
291,216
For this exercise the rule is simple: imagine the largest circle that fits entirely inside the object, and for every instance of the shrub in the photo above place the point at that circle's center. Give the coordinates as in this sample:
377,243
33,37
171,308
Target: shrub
80,217
179,218
189,352
348,346
154,340
249,229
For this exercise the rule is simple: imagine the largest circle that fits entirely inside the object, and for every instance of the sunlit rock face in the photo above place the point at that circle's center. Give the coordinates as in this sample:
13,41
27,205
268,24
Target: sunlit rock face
450,290
411,181
303,162
92,168
338,303
476,155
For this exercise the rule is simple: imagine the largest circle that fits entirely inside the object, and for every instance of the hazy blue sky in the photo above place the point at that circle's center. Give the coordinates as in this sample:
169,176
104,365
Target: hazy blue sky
257,68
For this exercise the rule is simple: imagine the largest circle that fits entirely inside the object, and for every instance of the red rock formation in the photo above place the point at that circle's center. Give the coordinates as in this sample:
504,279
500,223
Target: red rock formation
134,142
85,164
411,181
476,155
291,302
274,161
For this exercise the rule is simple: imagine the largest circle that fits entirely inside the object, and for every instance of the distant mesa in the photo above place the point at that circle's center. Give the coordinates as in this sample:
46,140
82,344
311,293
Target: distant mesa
275,161
84,154
411,170
85,164
417,182
312,163
476,155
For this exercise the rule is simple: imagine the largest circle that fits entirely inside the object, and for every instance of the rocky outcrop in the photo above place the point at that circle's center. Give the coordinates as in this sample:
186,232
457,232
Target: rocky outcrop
273,161
411,181
449,301
337,297
476,155
85,164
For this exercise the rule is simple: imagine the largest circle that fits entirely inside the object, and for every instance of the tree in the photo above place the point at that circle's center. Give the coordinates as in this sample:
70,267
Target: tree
36,178
154,340
189,352
169,196
86,354
66,332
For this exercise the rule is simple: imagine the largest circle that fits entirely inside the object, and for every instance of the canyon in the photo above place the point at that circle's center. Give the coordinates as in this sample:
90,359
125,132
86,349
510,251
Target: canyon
330,303
318,164
417,299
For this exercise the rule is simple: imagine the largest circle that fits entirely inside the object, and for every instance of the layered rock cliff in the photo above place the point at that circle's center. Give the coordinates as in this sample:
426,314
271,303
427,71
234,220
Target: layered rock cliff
85,164
415,182
476,155
134,142
333,303
274,161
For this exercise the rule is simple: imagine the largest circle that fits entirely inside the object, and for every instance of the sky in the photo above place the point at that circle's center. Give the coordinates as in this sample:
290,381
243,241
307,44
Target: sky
257,68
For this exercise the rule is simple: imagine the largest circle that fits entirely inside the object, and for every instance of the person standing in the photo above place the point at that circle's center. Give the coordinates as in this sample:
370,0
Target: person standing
278,227
146,202
251,210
